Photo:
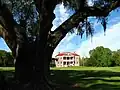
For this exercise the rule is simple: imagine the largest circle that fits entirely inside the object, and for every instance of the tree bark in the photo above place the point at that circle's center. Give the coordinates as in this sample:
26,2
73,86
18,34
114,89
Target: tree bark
24,65
41,69
32,76
43,56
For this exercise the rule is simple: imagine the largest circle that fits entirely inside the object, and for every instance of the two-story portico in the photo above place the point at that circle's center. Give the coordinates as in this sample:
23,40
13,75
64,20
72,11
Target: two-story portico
66,59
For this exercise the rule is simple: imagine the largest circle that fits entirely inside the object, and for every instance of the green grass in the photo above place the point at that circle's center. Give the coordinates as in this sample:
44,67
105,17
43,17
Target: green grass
7,72
87,78
87,68
81,78
7,68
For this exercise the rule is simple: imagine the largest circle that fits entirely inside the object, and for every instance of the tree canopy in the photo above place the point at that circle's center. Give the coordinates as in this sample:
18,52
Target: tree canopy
102,57
116,57
6,59
25,14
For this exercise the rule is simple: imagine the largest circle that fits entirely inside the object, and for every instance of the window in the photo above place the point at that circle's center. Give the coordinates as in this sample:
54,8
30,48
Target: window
64,63
67,58
64,58
71,57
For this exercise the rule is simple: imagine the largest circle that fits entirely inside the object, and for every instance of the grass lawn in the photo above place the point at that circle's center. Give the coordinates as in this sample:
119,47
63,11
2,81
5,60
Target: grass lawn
87,78
7,69
7,72
81,78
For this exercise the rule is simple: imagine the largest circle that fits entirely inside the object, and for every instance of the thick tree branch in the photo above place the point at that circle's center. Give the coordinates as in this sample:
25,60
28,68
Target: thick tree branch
78,17
8,23
46,17
11,44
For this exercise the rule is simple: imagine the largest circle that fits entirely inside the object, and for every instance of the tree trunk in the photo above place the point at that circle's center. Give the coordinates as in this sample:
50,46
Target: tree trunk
41,78
24,66
37,72
41,71
29,74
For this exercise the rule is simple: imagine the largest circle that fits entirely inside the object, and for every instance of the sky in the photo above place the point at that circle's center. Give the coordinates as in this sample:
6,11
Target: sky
82,46
74,43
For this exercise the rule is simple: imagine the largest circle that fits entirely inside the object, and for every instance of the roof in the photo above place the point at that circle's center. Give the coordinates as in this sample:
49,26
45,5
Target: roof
67,53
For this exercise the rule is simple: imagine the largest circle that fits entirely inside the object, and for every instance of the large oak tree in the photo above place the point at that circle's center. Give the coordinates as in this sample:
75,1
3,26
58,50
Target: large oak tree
26,28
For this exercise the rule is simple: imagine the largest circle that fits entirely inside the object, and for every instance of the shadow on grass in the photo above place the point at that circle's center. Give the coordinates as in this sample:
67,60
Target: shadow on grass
74,80
86,80
6,79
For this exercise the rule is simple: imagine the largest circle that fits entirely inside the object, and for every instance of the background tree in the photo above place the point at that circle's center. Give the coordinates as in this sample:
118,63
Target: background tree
9,60
83,61
116,57
6,59
26,28
100,56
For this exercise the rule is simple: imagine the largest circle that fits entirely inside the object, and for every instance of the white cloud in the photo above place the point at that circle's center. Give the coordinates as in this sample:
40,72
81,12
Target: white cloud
111,40
116,19
68,37
96,23
61,15
62,9
90,2
65,44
